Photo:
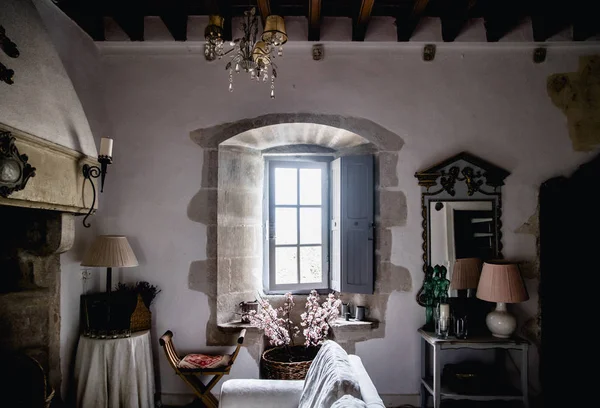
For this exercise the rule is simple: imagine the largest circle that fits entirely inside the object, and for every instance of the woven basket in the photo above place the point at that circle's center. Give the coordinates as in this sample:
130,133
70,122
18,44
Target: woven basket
275,369
141,318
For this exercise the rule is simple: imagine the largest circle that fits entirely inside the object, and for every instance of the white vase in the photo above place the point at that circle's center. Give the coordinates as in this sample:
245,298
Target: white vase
501,323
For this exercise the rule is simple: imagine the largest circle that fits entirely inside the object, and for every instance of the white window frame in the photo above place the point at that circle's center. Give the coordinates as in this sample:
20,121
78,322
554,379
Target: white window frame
272,163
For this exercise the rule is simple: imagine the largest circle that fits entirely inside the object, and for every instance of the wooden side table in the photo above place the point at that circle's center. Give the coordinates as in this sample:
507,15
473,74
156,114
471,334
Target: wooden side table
432,383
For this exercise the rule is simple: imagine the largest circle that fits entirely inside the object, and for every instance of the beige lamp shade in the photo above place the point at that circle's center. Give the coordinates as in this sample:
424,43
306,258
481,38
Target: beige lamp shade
110,251
465,274
501,282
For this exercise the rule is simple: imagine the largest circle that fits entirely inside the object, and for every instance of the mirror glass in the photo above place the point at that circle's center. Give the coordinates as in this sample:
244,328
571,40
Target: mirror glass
461,229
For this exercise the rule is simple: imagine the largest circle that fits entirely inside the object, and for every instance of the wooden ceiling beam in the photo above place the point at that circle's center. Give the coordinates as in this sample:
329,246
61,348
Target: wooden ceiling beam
264,8
500,17
130,17
586,22
89,17
314,20
545,26
454,17
361,22
548,18
407,23
175,18
132,24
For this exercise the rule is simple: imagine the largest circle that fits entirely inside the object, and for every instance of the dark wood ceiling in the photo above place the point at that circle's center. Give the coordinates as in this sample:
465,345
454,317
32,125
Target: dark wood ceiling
548,17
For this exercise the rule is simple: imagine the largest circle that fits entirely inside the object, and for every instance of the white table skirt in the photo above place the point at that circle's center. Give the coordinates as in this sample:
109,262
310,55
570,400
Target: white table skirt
115,373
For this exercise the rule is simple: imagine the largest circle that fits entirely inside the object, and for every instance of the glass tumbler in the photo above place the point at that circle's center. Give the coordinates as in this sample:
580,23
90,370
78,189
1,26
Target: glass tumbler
442,325
460,327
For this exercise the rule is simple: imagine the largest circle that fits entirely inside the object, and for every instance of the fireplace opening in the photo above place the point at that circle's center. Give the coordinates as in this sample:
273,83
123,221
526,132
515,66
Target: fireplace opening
31,241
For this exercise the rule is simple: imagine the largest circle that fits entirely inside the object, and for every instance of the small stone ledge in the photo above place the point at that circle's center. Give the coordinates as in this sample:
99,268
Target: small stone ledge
235,327
341,326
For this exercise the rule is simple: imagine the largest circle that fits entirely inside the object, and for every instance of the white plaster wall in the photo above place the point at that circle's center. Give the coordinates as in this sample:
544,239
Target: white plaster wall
42,101
81,60
487,99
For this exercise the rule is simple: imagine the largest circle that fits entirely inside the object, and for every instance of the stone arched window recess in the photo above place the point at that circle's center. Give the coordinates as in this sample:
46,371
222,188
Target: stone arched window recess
226,291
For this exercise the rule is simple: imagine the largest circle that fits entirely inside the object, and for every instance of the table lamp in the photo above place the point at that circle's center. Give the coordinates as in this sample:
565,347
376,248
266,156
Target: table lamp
110,251
465,275
501,283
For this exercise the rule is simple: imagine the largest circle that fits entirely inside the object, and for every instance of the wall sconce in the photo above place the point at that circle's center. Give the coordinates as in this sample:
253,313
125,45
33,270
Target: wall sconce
90,172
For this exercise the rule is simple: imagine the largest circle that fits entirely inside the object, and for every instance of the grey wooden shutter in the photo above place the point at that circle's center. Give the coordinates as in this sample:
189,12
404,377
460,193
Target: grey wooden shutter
352,224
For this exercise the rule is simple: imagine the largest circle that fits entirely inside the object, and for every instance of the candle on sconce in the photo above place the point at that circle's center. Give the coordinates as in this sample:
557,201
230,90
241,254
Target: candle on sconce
444,310
106,147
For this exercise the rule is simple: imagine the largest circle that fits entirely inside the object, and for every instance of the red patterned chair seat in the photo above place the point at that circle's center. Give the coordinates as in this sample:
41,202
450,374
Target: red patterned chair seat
204,361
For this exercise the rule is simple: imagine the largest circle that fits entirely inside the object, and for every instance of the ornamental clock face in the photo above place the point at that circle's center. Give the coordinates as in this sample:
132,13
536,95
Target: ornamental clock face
10,171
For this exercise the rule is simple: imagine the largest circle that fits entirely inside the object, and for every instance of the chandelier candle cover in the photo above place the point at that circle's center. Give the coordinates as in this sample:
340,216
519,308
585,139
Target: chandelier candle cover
252,54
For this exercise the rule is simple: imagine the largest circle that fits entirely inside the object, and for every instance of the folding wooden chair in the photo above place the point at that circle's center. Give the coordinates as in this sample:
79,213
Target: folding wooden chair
190,375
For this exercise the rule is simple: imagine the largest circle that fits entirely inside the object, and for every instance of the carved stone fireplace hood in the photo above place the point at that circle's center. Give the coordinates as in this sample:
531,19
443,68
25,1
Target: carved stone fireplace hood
44,114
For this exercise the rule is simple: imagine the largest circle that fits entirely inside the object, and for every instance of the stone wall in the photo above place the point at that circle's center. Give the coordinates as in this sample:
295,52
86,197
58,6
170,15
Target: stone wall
30,284
239,229
577,95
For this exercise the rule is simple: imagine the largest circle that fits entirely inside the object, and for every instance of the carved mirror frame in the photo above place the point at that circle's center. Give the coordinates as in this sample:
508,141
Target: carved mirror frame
463,177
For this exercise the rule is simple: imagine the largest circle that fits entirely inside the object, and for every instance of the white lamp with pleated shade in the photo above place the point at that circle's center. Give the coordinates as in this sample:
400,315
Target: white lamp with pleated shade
501,283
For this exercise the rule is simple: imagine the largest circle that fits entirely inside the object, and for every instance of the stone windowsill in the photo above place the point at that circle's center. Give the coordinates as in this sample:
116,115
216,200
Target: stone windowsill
342,325
338,326
235,327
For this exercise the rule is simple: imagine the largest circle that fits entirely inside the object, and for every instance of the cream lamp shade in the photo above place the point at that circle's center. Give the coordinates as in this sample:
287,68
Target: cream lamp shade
501,283
465,274
111,251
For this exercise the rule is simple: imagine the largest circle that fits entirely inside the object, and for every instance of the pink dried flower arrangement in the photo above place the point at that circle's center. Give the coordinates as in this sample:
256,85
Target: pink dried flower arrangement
317,317
279,328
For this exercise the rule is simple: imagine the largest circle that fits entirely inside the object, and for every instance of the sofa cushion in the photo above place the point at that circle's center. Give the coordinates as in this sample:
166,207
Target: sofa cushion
329,377
348,401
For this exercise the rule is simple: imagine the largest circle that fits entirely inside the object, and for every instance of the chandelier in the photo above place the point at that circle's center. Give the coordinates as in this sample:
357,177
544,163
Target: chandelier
252,54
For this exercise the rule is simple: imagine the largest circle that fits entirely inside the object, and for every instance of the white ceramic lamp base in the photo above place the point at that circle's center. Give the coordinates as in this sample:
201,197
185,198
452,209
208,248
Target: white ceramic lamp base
501,323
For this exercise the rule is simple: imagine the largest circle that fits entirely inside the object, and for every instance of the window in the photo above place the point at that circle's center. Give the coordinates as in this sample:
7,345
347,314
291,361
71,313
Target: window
319,224
298,197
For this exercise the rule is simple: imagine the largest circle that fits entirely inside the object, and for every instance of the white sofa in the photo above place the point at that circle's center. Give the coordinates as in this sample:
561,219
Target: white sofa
351,377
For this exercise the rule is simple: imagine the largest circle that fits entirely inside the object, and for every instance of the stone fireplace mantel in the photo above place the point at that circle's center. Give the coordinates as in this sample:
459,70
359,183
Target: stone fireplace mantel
58,184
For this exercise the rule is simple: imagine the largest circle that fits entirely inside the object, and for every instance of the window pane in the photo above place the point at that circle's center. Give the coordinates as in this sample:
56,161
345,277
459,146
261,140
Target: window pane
310,186
311,264
310,226
286,265
286,186
286,229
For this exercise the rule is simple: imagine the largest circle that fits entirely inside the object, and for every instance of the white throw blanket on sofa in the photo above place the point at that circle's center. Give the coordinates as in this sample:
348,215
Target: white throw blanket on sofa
329,378
334,380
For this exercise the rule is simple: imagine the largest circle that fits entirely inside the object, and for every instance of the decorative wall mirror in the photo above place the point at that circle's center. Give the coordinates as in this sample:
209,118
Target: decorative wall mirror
462,207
